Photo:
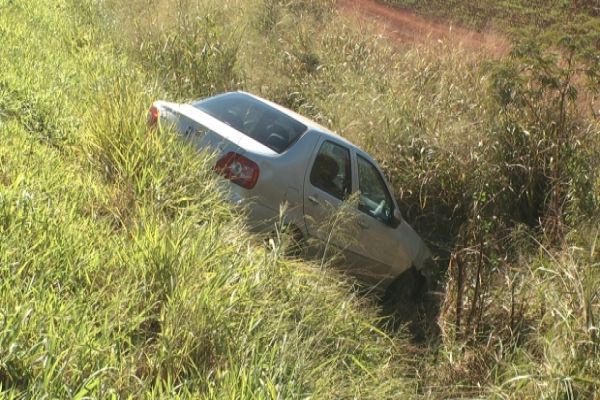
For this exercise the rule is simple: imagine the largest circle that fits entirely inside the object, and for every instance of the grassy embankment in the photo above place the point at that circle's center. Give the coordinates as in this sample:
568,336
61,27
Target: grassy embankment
122,273
494,162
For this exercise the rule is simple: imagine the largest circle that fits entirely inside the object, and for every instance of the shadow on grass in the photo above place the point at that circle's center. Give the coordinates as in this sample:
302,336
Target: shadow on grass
415,307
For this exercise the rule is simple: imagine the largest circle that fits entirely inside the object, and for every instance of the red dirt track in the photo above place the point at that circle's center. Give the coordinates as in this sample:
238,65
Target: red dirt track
406,27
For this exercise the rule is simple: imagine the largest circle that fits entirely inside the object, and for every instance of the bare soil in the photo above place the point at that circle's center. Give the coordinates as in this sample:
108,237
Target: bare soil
408,28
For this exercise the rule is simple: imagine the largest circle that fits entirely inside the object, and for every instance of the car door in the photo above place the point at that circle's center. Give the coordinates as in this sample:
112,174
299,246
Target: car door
376,231
328,182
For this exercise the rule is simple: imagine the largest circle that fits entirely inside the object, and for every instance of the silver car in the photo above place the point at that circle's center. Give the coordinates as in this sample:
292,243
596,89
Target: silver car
273,156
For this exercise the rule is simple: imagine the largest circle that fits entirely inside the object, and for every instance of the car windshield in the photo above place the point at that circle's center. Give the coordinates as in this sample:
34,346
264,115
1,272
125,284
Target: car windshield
254,118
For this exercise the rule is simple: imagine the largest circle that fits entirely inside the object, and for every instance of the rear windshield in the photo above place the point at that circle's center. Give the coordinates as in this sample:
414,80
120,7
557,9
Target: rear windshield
254,118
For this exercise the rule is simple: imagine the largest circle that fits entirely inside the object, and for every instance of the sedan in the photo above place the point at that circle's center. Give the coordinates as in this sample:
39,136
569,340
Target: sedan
271,156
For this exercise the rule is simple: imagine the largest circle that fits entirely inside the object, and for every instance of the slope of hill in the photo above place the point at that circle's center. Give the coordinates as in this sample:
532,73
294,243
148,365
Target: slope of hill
124,274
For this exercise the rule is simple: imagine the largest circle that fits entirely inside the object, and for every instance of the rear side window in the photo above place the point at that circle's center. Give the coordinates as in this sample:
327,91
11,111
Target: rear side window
331,170
254,118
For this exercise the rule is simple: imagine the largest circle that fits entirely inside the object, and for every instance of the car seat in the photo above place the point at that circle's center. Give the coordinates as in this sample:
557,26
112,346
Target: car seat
278,138
323,175
232,119
278,141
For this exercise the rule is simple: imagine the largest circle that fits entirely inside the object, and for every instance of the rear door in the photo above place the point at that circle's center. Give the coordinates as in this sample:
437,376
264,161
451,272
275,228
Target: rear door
328,182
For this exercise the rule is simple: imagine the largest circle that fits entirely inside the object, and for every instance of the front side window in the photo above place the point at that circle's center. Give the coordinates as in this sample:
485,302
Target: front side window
331,170
374,198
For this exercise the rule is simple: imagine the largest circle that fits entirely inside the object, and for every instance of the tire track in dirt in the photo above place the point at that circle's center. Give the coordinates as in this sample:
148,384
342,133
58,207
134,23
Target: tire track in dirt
409,28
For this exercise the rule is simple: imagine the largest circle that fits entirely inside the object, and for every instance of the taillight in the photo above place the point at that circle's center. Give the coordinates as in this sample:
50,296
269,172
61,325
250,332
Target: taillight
238,169
153,115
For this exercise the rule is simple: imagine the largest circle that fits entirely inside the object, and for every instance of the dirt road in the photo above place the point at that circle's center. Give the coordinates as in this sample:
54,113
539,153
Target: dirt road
407,27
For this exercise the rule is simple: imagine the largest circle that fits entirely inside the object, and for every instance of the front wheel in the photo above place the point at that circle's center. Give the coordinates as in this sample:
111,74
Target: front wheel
407,289
407,301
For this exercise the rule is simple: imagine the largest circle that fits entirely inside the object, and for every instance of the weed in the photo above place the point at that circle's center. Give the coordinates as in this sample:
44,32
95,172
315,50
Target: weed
124,274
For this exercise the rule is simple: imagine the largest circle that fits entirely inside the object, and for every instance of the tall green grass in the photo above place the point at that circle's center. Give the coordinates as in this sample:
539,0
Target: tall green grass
485,180
124,274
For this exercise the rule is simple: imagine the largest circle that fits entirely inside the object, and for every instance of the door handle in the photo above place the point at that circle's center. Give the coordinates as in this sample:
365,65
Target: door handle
362,224
314,200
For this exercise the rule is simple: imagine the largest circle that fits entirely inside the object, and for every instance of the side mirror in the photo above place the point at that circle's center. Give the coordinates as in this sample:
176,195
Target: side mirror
397,219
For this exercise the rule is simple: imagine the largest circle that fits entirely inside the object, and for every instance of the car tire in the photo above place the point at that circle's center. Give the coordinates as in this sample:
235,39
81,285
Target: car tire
405,293
295,243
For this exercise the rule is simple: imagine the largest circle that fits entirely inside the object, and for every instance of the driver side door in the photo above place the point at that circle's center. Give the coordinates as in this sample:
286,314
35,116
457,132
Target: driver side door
376,230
